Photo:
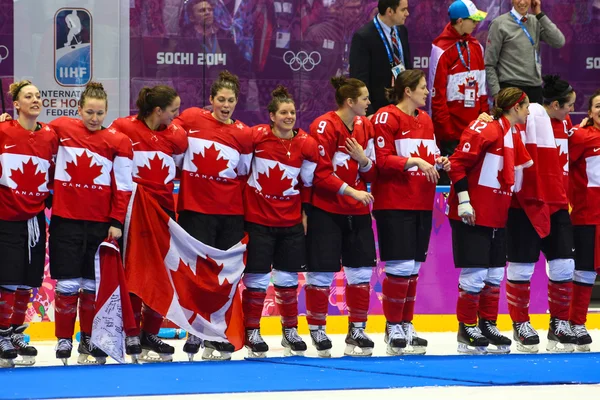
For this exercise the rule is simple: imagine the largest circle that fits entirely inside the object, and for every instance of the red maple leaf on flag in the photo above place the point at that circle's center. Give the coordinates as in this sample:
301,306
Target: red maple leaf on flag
422,151
201,292
505,187
211,163
156,171
82,171
563,160
29,179
469,82
275,183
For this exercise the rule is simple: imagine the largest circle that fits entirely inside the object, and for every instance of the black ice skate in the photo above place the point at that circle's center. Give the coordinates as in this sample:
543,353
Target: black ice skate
583,337
292,343
414,343
395,339
321,341
154,349
257,347
561,338
133,348
26,352
8,353
89,354
471,340
192,346
63,349
526,337
217,351
501,344
358,344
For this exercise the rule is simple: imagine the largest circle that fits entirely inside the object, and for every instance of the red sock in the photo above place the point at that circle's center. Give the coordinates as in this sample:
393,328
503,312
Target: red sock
317,303
22,297
559,299
65,313
411,297
7,303
87,311
517,296
488,302
466,307
357,300
253,301
580,302
394,293
136,305
287,304
151,320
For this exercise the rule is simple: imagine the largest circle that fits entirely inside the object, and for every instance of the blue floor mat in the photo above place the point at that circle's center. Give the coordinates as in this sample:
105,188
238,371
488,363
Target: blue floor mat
297,374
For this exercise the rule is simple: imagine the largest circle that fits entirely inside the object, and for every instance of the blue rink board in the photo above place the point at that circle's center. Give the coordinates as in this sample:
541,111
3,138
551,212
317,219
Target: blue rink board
297,374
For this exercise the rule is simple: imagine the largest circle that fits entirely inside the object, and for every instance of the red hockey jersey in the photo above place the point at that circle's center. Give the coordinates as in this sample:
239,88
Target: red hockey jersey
398,137
482,156
272,196
93,179
156,156
562,131
449,78
331,133
215,165
26,169
584,174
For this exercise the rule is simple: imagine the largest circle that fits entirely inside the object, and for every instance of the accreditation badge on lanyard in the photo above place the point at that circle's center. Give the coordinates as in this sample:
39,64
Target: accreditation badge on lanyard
397,65
538,61
471,83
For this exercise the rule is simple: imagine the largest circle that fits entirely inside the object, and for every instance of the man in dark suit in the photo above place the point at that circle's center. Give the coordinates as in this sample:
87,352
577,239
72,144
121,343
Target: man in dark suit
380,50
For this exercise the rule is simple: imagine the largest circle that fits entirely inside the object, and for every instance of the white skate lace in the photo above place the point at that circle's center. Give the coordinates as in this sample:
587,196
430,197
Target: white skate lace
18,340
319,335
563,327
359,333
155,339
64,344
395,331
493,329
132,341
526,330
192,339
474,332
579,330
254,336
291,334
409,331
6,344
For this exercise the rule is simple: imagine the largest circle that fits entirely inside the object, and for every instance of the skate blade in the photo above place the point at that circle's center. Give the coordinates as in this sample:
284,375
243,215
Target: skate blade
148,356
355,351
415,350
214,355
135,358
557,347
86,359
256,354
287,352
7,363
471,350
498,349
527,348
324,353
24,361
582,347
394,351
65,361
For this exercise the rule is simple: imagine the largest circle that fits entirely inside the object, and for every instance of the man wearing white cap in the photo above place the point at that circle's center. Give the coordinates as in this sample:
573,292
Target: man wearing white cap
457,75
512,55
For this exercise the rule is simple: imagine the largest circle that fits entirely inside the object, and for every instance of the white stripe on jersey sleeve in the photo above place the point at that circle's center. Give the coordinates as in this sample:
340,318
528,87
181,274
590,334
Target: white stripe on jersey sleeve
122,170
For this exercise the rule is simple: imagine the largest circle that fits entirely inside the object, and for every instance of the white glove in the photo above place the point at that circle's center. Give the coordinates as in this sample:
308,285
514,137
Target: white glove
465,209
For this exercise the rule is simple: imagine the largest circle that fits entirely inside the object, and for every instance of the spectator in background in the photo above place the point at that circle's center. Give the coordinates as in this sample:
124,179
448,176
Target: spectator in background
512,55
380,52
457,75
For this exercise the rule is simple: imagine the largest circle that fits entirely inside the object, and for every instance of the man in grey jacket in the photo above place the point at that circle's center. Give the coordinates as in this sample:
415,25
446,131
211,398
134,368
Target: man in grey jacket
512,55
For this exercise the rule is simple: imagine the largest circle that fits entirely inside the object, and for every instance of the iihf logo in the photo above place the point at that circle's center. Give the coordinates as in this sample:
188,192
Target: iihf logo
72,46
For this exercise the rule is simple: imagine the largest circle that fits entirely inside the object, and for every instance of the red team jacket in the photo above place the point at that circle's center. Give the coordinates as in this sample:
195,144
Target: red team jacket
562,130
215,165
156,156
93,172
482,156
448,79
273,197
331,133
26,169
399,136
584,174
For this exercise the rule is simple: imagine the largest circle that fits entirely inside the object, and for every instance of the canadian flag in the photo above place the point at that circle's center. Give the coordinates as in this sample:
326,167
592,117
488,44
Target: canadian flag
193,285
114,315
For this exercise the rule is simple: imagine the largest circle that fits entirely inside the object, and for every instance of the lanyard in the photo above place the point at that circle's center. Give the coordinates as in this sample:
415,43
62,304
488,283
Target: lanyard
387,44
462,59
518,21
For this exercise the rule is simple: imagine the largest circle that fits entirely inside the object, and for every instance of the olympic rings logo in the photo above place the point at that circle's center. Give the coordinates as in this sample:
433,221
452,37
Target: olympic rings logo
3,53
302,60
